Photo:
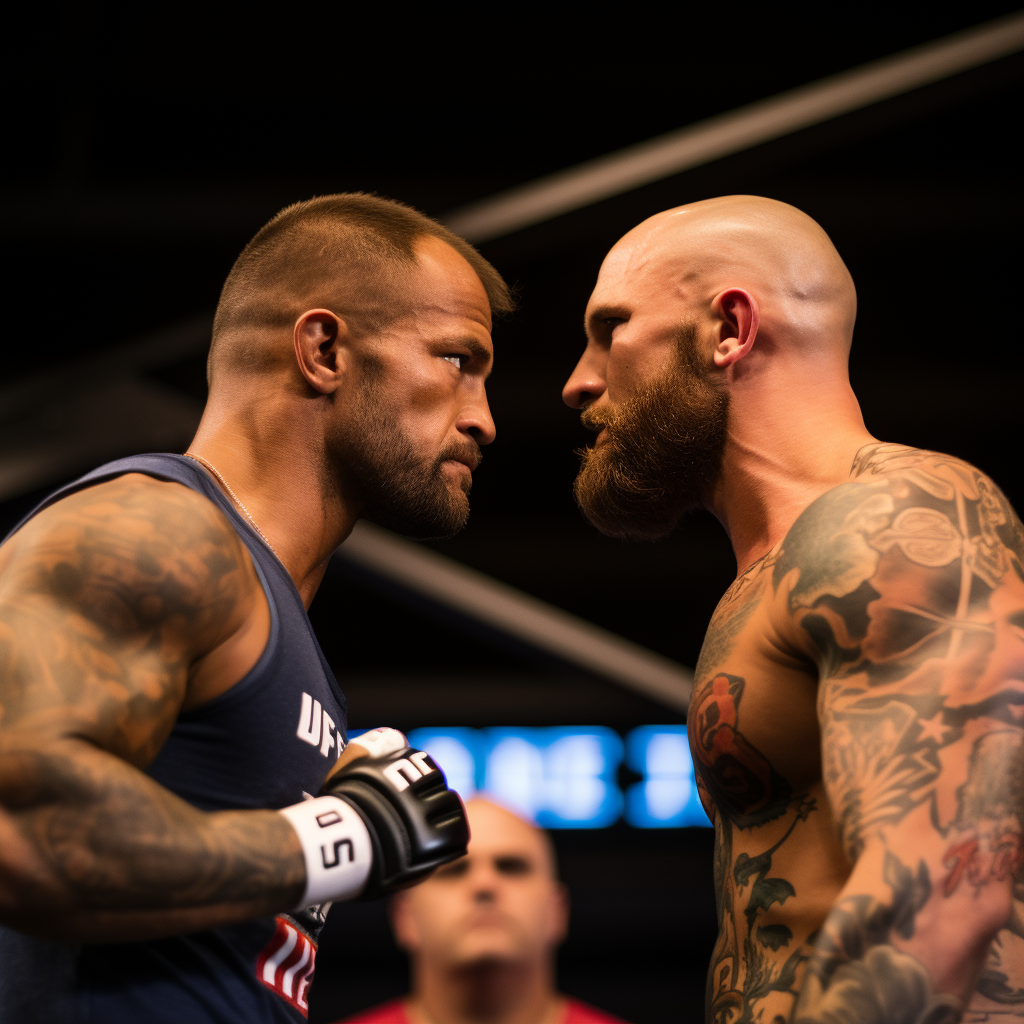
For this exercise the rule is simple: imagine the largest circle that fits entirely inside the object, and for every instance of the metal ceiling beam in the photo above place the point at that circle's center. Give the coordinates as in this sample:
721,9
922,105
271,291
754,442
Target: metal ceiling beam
147,352
738,130
535,623
412,566
69,418
107,420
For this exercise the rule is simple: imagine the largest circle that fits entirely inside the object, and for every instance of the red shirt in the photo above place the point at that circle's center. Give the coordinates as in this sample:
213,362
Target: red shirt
394,1013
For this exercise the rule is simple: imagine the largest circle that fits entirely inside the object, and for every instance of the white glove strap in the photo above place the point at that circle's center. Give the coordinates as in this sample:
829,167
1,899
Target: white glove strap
337,848
380,742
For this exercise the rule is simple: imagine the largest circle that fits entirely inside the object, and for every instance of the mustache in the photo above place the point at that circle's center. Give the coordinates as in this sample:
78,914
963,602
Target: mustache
469,453
595,420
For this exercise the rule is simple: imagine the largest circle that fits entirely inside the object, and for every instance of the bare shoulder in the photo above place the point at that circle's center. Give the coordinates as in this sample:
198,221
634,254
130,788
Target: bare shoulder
926,534
129,551
882,459
139,505
107,598
945,478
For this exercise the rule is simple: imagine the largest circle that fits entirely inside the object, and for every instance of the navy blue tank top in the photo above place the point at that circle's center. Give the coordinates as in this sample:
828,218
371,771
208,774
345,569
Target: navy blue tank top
265,743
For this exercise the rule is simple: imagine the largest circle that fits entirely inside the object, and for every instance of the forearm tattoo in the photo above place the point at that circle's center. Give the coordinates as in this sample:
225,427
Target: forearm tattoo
105,601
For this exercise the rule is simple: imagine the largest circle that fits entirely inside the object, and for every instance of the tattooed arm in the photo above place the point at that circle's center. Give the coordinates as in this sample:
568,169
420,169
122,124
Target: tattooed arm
109,602
906,587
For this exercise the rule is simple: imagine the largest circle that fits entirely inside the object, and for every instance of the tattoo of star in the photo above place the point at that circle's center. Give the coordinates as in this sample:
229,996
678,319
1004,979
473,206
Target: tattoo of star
933,729
807,804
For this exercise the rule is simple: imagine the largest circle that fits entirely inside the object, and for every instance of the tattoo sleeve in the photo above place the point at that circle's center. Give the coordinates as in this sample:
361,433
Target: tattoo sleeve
906,587
106,601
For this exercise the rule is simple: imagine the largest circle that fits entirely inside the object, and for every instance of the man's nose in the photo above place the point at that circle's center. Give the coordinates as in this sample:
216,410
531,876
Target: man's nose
587,382
485,885
476,420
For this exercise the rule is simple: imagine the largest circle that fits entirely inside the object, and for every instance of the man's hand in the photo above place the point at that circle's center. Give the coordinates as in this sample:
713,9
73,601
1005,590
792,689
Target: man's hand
906,587
384,820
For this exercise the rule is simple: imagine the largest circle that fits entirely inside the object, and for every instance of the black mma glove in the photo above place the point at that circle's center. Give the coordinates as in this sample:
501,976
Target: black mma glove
381,822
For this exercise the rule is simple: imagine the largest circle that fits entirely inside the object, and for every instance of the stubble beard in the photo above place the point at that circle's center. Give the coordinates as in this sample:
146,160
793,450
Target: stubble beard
392,484
662,453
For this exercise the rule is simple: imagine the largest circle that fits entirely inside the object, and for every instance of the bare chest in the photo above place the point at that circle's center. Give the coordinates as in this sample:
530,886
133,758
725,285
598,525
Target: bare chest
753,724
755,740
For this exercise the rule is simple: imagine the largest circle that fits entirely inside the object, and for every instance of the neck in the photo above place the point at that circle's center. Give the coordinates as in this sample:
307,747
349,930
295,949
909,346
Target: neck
485,993
276,472
786,446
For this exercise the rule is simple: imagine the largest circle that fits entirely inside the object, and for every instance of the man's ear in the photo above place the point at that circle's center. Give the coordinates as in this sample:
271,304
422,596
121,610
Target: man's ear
738,328
321,338
403,924
559,921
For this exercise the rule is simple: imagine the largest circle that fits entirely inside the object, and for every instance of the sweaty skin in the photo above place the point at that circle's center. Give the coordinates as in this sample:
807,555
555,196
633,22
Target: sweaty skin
856,720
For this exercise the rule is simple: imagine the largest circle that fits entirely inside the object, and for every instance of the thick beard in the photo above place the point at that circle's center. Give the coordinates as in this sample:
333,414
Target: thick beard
393,485
662,452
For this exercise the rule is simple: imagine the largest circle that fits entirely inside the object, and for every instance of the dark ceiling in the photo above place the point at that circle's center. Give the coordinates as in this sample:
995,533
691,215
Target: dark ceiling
152,148
145,148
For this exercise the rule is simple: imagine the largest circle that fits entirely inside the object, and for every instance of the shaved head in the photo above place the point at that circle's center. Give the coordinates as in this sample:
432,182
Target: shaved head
490,818
769,248
679,303
501,903
351,253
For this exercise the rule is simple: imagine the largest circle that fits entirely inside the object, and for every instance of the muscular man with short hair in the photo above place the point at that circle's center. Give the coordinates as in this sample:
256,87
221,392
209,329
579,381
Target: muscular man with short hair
164,705
483,932
856,719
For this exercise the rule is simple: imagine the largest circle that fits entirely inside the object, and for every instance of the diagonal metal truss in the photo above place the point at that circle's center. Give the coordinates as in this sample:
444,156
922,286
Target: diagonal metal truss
740,129
116,410
526,619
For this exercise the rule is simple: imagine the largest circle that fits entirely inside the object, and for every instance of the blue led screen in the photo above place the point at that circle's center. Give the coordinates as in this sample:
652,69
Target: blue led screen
568,776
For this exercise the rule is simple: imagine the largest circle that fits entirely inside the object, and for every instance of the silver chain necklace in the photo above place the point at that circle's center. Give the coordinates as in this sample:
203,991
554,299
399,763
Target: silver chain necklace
235,498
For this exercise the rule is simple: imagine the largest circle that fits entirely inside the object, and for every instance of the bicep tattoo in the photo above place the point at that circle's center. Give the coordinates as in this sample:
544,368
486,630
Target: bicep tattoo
105,601
906,587
908,590
103,605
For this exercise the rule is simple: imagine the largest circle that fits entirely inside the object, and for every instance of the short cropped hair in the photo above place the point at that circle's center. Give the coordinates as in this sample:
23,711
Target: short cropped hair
344,252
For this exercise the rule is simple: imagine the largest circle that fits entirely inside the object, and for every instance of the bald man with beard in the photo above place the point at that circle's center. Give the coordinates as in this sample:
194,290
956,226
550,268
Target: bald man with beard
856,718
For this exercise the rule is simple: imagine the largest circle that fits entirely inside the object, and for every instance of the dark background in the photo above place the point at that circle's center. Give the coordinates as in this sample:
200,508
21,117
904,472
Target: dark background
147,147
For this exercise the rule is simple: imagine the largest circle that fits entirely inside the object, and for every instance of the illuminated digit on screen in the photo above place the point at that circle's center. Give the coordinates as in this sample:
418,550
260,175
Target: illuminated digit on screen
667,796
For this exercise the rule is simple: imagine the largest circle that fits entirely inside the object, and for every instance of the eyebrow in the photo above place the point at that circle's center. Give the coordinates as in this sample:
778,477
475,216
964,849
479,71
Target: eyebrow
455,867
477,349
516,861
603,312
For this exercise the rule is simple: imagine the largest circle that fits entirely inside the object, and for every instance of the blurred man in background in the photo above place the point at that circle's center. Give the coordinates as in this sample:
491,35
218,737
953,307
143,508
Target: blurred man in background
483,931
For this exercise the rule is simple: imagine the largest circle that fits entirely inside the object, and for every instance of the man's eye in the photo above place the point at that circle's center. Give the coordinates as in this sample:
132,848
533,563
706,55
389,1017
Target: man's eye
456,870
513,865
456,361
